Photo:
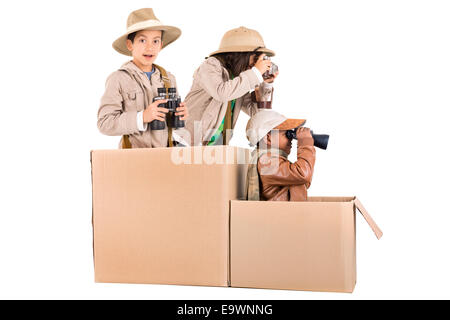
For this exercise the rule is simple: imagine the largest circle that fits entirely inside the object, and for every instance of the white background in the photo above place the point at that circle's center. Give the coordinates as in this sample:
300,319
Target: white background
375,75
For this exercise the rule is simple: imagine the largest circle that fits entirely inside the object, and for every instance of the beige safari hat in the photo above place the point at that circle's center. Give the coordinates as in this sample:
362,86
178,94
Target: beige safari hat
145,19
264,121
242,39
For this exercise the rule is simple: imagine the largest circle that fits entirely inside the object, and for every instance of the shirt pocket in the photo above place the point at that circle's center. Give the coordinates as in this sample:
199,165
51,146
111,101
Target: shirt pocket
134,100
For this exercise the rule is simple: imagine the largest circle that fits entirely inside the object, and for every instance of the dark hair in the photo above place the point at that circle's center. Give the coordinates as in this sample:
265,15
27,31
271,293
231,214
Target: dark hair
236,62
131,36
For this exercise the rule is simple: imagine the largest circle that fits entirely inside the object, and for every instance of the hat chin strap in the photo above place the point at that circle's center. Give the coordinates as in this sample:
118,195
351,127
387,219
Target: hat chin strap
143,25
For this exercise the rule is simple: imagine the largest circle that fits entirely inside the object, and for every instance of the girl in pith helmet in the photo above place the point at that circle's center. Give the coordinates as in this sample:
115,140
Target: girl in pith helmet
223,84
127,106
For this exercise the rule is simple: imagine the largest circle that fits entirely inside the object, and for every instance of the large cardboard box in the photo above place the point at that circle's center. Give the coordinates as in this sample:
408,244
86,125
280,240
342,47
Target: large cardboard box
162,215
296,245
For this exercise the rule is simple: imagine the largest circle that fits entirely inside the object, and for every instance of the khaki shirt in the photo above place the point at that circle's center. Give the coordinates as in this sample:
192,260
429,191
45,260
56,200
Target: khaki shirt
127,92
210,93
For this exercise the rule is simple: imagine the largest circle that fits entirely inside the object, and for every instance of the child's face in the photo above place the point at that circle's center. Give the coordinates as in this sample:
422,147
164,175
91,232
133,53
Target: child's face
145,48
278,139
253,59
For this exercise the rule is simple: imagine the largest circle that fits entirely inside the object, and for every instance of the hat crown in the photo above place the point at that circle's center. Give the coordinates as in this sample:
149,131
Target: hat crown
243,37
140,16
262,123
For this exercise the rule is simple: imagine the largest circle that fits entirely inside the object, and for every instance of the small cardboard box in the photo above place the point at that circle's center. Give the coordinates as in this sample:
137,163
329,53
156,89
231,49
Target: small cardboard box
162,215
296,245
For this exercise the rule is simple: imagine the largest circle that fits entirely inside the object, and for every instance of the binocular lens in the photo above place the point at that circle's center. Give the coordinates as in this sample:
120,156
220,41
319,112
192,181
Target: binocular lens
320,140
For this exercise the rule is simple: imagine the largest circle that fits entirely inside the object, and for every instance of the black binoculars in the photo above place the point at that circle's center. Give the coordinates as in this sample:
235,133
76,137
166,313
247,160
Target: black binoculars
320,140
173,102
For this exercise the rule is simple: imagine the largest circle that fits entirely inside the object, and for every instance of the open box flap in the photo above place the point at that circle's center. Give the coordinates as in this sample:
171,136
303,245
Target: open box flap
368,218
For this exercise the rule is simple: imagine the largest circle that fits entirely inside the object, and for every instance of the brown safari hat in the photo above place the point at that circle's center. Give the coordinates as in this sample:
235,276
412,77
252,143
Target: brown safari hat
243,39
290,124
145,19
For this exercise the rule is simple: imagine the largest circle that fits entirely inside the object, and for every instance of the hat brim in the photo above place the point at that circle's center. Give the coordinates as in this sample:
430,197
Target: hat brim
170,34
268,52
290,124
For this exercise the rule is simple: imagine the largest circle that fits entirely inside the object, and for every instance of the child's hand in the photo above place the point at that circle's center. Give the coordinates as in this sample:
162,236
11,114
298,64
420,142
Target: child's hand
153,112
304,137
272,78
263,65
182,111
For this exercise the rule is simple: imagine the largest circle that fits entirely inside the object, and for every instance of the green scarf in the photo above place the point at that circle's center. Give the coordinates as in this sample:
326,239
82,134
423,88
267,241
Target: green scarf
219,131
252,184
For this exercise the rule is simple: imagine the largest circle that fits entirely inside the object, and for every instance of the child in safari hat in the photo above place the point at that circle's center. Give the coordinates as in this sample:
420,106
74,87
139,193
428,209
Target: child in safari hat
127,105
222,85
271,176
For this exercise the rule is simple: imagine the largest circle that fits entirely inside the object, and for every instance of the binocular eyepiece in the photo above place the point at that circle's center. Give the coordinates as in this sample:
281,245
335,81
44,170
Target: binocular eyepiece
320,140
173,102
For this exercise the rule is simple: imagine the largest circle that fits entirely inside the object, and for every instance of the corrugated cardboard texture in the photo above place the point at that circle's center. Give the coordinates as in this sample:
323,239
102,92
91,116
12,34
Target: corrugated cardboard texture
294,245
158,222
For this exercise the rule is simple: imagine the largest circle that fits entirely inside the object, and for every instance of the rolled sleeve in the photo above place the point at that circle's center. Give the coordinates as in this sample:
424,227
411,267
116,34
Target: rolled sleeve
258,74
140,121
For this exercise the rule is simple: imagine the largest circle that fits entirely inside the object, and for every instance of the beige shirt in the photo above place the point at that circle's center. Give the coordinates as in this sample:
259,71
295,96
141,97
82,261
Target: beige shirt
208,98
127,92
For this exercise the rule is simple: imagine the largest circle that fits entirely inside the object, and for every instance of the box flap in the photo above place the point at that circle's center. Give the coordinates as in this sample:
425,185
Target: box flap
368,218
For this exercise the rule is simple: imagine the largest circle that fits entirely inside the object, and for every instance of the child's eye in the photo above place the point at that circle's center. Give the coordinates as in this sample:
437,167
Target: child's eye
142,41
156,41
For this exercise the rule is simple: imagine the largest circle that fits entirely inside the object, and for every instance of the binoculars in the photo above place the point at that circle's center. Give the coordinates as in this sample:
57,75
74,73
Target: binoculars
173,102
273,69
320,140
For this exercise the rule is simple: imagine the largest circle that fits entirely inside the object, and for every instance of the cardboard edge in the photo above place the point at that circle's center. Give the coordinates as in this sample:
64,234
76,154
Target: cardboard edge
331,291
229,245
92,216
226,182
347,243
372,224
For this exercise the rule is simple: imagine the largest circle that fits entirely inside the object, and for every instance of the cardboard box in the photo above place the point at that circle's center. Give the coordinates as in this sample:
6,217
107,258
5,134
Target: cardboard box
296,245
162,215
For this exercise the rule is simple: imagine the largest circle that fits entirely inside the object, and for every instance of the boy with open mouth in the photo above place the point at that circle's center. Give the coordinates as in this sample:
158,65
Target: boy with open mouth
127,106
